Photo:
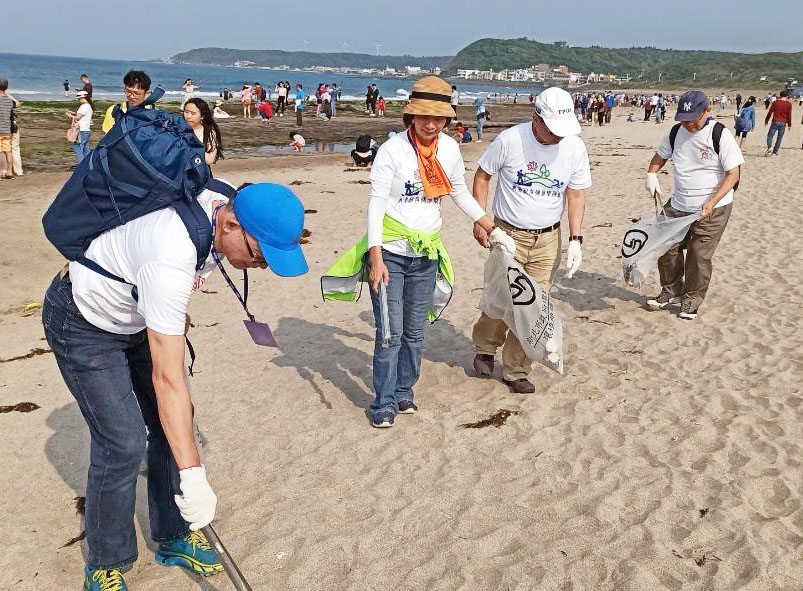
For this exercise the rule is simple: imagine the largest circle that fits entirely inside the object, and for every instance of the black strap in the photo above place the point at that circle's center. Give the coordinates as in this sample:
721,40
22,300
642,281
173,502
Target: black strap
224,189
672,135
92,265
716,135
431,96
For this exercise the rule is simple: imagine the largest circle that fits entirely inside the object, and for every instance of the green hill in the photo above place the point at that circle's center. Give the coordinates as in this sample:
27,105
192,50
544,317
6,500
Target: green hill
220,56
642,63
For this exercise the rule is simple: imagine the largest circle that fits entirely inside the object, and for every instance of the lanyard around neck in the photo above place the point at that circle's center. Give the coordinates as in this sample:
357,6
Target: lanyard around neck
244,297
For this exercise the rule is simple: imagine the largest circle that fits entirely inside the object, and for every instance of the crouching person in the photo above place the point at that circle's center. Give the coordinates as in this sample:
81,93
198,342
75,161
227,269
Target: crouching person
119,344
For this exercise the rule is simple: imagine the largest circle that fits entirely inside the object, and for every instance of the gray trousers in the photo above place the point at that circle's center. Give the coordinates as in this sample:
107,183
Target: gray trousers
689,276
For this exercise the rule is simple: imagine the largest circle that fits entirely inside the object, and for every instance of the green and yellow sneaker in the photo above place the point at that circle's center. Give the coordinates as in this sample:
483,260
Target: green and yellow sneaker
192,552
104,579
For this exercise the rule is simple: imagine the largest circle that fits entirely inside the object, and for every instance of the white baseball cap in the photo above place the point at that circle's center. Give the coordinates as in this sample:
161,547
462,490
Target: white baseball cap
556,107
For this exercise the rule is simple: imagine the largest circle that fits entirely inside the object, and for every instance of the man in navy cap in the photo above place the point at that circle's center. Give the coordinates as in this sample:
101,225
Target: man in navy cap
120,348
706,162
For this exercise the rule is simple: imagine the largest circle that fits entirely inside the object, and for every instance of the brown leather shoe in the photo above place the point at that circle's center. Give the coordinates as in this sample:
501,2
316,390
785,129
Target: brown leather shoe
520,386
484,364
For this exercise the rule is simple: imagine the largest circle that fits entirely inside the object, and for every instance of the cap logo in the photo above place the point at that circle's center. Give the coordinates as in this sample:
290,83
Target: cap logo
687,106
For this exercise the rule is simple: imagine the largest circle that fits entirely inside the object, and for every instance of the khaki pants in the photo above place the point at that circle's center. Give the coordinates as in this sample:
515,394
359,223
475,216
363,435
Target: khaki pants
16,159
688,277
540,257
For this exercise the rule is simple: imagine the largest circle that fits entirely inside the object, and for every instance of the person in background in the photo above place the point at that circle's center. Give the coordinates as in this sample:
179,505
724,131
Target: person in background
364,151
83,118
335,92
745,119
6,108
16,157
299,105
297,141
368,94
374,98
189,91
380,107
245,99
259,93
738,102
480,104
87,86
199,117
66,86
781,113
610,102
281,98
264,111
455,100
218,112
704,184
319,98
137,84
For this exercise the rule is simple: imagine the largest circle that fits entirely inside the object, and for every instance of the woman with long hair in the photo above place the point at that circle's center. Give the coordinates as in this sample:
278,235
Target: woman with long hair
199,117
410,272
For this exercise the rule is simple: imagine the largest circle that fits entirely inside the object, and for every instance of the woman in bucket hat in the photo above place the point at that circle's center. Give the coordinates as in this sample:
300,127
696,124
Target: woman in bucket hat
412,172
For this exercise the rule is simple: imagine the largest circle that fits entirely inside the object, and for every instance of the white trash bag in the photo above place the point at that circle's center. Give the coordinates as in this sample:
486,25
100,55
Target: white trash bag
645,242
511,295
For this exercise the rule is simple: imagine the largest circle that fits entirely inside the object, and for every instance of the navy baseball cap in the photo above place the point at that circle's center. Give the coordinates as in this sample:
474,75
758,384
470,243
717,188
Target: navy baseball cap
691,106
274,216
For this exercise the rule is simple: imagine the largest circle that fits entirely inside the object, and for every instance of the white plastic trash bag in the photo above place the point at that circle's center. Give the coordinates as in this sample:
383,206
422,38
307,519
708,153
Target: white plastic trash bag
511,295
645,242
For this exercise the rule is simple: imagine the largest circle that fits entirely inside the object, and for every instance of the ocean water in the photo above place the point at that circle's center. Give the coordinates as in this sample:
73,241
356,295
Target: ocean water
39,77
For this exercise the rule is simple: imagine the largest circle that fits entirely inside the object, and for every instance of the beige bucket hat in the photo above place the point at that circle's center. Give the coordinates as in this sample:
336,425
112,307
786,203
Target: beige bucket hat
430,96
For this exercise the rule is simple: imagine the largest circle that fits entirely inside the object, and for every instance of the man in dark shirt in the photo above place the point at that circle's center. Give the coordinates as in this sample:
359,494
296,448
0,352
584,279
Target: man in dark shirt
781,113
87,86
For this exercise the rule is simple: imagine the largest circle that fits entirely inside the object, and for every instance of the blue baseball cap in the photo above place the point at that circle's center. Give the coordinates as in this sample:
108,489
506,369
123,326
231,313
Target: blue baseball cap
691,106
275,217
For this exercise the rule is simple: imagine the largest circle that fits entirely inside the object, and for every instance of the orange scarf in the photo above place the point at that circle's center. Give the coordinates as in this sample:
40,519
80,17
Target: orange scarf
433,178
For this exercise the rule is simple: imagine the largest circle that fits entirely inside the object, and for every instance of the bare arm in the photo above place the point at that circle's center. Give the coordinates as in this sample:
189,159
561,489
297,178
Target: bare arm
576,200
656,164
730,180
480,191
173,397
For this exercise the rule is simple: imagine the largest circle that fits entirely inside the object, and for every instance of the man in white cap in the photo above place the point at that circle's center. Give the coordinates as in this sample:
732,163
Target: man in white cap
542,165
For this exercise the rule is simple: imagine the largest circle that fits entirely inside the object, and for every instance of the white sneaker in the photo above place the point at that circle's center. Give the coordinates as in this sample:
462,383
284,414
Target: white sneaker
662,300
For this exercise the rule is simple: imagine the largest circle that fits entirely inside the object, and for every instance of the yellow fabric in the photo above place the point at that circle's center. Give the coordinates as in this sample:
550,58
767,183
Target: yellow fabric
436,183
108,119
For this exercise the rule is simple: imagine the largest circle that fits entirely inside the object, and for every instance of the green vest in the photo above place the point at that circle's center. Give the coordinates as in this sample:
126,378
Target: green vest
351,269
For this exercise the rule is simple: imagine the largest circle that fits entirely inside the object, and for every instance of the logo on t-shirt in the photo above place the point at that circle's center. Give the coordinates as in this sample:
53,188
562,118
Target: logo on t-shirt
412,188
537,175
707,153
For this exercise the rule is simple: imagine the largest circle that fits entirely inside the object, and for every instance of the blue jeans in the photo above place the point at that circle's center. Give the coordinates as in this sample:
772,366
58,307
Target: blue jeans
396,368
334,107
81,147
480,123
781,129
110,377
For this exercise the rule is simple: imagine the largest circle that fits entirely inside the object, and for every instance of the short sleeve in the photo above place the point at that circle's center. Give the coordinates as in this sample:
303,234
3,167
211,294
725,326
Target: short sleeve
664,148
581,175
730,156
163,296
493,158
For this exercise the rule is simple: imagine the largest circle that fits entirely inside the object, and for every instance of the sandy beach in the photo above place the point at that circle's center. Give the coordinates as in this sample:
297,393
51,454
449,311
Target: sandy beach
666,456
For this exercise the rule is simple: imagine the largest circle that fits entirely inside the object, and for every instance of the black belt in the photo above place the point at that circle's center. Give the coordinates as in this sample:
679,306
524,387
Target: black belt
536,231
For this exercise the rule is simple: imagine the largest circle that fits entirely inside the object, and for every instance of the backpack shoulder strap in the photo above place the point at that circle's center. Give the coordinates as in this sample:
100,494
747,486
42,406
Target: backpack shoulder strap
198,226
672,135
716,135
218,186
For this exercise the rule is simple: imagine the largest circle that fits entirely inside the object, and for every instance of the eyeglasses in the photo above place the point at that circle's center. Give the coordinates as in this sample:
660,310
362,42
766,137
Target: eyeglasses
259,261
135,92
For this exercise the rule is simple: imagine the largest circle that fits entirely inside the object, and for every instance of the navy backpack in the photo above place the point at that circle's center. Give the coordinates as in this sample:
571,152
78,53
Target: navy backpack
148,161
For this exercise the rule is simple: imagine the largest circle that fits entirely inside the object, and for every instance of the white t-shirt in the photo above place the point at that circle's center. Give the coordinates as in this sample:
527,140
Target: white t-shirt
533,178
154,253
455,97
396,189
85,122
654,100
698,170
299,139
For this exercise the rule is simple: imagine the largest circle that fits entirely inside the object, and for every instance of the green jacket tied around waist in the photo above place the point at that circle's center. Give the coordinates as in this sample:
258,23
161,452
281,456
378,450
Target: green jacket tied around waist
341,281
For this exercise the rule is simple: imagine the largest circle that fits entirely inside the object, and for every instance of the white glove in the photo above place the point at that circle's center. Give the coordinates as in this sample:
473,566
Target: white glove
498,236
652,185
574,256
197,502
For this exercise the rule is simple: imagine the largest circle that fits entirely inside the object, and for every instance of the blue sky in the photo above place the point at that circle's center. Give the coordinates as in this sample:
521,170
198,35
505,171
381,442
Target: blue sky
145,29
